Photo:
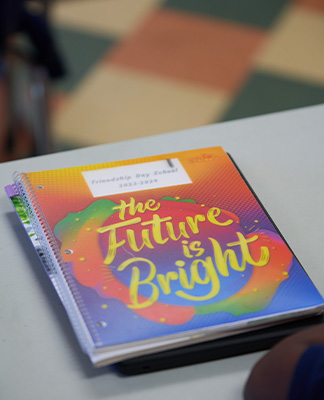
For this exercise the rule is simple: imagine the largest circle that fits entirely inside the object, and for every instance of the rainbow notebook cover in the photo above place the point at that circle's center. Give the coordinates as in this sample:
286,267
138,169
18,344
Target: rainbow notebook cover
162,251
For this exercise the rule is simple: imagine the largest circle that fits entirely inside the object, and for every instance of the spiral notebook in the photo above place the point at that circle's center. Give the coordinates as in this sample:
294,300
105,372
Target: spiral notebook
160,253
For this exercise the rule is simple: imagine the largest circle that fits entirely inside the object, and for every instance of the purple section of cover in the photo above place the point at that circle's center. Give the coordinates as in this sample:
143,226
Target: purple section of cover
11,190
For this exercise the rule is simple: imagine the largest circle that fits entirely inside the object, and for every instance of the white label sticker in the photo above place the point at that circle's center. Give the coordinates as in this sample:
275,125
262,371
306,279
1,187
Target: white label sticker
136,177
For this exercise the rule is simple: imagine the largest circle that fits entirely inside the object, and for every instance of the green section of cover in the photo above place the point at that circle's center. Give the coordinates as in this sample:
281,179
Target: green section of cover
248,303
265,93
100,209
259,13
168,198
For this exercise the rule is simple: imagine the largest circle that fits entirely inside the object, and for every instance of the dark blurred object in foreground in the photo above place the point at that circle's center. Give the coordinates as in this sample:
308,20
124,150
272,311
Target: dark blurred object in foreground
29,59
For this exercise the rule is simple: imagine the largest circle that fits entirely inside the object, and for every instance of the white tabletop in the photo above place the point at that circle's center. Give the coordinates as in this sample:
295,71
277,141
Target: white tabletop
282,157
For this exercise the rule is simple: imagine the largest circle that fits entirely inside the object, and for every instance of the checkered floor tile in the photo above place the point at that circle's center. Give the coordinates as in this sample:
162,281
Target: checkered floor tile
139,68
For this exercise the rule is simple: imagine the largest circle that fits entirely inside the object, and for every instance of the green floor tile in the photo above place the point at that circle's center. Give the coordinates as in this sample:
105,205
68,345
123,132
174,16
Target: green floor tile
265,93
260,13
80,51
65,146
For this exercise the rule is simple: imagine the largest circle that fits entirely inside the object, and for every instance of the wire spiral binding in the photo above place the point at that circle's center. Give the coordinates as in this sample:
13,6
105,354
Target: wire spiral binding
56,267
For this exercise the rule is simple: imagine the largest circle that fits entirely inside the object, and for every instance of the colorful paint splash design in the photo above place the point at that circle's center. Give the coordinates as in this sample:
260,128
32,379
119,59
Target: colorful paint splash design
173,260
170,259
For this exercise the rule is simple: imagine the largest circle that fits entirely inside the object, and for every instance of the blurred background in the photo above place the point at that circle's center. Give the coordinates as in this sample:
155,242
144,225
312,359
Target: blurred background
134,68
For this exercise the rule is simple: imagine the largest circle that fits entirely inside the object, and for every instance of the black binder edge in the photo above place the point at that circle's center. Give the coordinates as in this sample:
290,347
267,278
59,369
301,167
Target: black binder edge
244,343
